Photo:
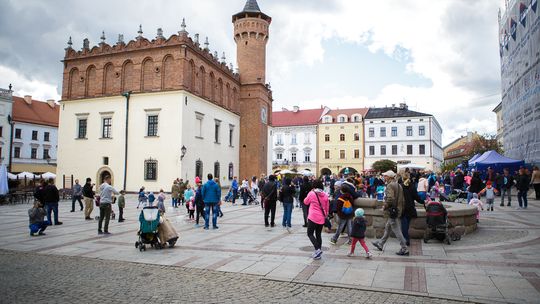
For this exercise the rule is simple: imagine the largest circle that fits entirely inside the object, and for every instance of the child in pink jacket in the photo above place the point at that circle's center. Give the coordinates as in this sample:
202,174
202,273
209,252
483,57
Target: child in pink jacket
478,204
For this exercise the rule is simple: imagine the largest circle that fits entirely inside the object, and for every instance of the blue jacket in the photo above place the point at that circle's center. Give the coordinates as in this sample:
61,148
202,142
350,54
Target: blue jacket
234,185
211,192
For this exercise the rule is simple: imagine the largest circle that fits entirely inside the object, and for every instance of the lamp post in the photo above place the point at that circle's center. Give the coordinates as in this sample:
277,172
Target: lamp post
127,95
11,123
183,151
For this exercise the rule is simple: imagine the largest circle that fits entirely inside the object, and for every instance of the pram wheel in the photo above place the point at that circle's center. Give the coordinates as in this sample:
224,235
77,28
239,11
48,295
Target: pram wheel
137,244
447,241
425,241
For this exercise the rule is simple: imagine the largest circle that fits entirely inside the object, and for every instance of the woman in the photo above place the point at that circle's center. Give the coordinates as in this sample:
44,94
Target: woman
409,210
304,190
422,187
286,196
317,200
244,191
535,181
254,187
475,187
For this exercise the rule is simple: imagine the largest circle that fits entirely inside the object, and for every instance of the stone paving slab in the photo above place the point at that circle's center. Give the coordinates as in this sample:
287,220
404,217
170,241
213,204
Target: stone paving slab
500,262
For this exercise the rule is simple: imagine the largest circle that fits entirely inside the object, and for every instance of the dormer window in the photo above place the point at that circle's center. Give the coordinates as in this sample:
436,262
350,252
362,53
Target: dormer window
342,118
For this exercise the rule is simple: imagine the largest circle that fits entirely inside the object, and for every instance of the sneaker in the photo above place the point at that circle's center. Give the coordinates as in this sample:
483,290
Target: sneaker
106,232
517,208
205,228
88,218
350,254
403,252
215,227
333,242
319,255
315,253
99,232
196,225
72,211
368,255
289,230
377,245
58,223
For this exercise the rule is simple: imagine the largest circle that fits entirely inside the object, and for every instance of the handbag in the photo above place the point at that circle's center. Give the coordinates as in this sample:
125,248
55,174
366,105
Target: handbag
393,211
327,222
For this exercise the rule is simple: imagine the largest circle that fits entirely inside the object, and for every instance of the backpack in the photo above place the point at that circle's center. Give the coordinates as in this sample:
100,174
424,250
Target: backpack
347,206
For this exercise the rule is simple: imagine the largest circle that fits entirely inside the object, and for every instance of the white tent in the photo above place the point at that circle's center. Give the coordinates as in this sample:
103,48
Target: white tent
3,180
286,172
25,174
11,176
306,173
411,166
48,175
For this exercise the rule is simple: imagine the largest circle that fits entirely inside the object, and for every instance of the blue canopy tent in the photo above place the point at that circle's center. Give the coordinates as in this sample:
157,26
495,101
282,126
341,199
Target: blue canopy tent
473,159
497,162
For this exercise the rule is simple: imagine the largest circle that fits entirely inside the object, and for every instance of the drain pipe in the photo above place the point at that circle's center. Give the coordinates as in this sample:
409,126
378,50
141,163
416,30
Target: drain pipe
127,95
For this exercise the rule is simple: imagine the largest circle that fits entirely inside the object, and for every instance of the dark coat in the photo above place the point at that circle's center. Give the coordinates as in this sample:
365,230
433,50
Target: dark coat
87,190
459,179
270,191
286,195
509,181
50,194
304,190
358,228
411,195
522,182
38,194
476,185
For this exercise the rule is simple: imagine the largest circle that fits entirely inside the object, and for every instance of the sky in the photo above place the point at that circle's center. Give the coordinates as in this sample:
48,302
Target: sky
440,57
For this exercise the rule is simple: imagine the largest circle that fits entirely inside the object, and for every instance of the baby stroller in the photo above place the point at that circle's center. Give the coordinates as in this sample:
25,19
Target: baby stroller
252,199
437,223
456,196
148,231
229,196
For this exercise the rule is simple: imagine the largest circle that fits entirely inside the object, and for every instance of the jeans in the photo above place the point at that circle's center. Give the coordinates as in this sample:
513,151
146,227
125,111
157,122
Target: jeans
215,210
522,198
121,214
395,226
422,195
506,192
174,202
405,222
342,224
469,196
270,209
104,214
38,227
234,194
52,207
287,214
314,234
447,189
76,198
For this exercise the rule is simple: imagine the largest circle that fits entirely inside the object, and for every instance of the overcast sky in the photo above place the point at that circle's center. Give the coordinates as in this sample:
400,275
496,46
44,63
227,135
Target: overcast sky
440,57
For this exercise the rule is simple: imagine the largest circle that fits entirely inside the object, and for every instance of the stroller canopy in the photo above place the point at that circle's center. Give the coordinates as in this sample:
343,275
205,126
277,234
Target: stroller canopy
497,162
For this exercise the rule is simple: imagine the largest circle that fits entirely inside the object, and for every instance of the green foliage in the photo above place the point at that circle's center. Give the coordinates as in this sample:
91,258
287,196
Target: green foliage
384,165
447,167
484,143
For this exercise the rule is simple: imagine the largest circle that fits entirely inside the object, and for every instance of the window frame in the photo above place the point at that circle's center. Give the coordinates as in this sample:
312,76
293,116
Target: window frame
371,132
383,149
326,154
356,153
18,133
35,134
16,152
342,137
394,150
421,130
46,136
33,153
382,131
342,154
422,149
152,127
106,129
371,150
326,137
150,170
217,131
411,150
394,131
79,129
409,131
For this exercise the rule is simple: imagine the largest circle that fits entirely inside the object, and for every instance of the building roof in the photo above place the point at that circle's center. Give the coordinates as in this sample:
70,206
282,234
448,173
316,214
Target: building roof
348,112
251,6
296,118
393,112
251,9
37,112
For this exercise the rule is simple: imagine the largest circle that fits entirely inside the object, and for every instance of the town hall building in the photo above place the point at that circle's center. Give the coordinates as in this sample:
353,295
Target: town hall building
147,112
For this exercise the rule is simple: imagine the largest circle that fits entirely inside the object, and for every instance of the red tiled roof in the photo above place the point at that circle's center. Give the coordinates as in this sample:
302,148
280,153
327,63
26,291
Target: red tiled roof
38,112
348,112
299,118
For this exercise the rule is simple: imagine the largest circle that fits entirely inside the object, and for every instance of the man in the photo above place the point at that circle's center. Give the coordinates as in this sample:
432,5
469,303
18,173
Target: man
270,198
182,189
523,181
262,182
88,197
105,193
234,188
459,180
393,199
76,196
175,190
507,182
211,193
51,197
304,190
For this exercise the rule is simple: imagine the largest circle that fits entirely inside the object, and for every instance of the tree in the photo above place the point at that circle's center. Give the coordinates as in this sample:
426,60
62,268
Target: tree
484,143
384,165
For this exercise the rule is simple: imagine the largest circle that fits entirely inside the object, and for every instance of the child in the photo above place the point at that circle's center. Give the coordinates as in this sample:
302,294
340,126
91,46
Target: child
161,201
478,204
151,198
142,197
490,195
358,232
380,193
35,217
121,205
191,206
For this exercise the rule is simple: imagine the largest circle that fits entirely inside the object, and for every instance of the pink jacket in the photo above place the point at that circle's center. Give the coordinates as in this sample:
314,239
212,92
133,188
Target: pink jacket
315,213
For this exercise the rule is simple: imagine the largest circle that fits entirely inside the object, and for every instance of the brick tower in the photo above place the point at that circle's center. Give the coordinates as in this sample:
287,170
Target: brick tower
251,35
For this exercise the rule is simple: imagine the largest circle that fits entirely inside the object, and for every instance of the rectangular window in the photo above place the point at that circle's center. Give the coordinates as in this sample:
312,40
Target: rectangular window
394,131
293,139
82,128
216,131
371,150
394,149
152,125
216,170
326,137
307,157
46,153
356,137
293,156
422,149
279,140
46,136
17,152
356,153
383,150
107,128
150,170
341,137
231,134
34,135
342,154
307,139
18,133
409,131
1,131
33,153
383,131
421,130
409,149
371,132
199,126
326,154
279,156
105,160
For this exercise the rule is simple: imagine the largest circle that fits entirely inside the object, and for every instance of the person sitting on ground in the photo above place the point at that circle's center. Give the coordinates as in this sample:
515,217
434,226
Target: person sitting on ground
358,232
36,215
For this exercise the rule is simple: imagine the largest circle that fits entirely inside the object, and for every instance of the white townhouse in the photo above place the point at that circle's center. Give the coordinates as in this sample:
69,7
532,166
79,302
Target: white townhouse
403,136
6,104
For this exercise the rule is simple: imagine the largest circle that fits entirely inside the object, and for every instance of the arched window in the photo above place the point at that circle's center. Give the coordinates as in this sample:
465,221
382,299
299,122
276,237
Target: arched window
326,137
199,168
129,79
212,87
73,88
341,137
227,101
191,74
216,170
231,171
202,81
167,72
108,79
91,79
220,92
147,75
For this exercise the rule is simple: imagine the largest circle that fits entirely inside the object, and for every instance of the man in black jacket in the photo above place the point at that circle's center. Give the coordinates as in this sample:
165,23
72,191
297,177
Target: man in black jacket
304,190
88,197
270,198
507,181
51,197
523,182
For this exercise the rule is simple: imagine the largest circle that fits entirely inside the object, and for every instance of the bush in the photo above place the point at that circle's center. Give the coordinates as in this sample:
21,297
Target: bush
384,165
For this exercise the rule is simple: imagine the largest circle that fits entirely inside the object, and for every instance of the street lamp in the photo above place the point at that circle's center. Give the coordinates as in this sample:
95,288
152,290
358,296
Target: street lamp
183,150
11,124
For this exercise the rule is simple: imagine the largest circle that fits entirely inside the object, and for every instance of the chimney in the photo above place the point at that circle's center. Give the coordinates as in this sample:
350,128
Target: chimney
51,103
403,106
28,99
296,109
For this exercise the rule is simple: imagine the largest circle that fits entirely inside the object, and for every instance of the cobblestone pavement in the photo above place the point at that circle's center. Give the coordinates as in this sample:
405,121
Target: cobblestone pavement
497,263
35,278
